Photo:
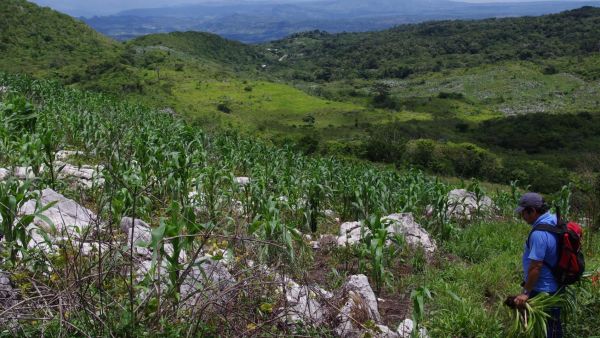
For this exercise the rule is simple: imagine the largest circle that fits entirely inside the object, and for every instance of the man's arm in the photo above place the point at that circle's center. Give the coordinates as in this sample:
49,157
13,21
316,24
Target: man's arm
533,274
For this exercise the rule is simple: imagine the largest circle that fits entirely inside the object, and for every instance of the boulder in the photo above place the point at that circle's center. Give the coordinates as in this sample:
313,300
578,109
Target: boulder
142,235
414,234
8,298
4,174
208,281
242,181
4,89
24,173
463,205
86,176
67,217
383,331
360,305
63,155
303,303
402,224
350,233
406,328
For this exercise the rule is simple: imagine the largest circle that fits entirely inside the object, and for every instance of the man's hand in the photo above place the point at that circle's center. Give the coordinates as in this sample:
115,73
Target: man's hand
520,300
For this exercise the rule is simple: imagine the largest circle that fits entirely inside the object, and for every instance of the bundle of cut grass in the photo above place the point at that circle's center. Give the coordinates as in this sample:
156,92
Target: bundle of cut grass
530,319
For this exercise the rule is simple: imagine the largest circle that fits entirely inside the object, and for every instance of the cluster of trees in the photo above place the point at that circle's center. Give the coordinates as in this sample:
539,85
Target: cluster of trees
538,133
434,46
528,148
468,160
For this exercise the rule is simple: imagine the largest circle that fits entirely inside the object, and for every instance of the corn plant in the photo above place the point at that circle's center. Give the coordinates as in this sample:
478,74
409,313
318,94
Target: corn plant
278,240
13,195
530,320
477,190
418,297
440,221
562,202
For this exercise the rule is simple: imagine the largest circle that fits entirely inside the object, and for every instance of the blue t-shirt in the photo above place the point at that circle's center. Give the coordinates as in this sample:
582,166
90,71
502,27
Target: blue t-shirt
542,247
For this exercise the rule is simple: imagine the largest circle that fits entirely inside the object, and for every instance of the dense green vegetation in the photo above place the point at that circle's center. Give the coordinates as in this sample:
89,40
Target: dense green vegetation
433,96
437,46
43,42
205,46
149,173
540,149
365,95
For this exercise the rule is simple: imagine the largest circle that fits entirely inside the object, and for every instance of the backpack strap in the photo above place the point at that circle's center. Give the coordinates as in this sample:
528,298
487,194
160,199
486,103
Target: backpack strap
555,230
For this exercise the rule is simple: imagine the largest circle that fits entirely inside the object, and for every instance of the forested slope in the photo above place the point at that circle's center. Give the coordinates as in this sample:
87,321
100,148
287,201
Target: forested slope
435,46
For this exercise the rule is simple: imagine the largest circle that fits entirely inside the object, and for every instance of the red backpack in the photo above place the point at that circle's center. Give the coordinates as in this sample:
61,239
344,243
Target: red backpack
571,263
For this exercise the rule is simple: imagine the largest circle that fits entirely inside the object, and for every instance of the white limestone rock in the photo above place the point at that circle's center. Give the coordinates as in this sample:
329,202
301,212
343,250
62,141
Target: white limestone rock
63,155
413,233
24,173
86,176
463,205
303,303
385,332
4,174
406,328
360,305
208,281
330,214
67,217
351,233
242,181
142,235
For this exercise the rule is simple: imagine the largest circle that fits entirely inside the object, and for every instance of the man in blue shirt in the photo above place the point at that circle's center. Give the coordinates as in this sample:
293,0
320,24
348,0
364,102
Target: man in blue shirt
539,254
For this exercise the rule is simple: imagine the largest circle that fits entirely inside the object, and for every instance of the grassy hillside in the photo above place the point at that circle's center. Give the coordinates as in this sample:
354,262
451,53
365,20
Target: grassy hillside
436,46
205,46
337,93
43,42
153,160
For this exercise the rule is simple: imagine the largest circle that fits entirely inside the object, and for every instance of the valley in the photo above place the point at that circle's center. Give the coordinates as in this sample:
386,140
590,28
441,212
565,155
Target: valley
320,185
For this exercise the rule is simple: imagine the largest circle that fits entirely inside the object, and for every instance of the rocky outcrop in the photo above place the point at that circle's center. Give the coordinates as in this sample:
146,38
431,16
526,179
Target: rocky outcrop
4,174
63,155
402,224
24,173
413,233
464,205
351,233
242,181
208,281
85,176
360,306
142,235
65,219
303,303
406,328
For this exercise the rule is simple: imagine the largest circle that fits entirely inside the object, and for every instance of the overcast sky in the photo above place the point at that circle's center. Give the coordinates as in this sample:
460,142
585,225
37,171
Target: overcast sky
106,7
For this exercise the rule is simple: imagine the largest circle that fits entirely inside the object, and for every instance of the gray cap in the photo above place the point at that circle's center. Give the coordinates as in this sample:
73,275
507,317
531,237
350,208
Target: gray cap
530,200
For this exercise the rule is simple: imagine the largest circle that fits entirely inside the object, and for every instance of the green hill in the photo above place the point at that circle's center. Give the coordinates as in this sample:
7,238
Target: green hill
205,46
369,95
436,46
43,42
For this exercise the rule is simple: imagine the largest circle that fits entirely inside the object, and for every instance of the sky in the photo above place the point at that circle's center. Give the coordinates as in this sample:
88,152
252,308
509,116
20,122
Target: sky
107,7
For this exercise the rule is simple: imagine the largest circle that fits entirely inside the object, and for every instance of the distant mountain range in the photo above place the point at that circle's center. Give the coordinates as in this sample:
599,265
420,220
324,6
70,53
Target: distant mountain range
254,22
